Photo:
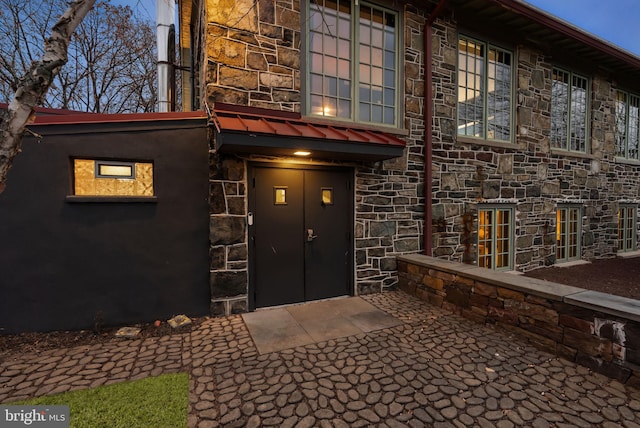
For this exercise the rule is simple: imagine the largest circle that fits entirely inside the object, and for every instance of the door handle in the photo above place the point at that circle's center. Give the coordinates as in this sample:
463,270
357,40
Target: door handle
310,235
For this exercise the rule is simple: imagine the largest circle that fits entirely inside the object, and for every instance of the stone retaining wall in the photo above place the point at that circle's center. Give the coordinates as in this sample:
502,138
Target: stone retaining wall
597,330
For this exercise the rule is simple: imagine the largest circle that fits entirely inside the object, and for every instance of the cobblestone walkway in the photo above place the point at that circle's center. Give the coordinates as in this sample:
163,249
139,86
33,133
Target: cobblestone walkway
436,369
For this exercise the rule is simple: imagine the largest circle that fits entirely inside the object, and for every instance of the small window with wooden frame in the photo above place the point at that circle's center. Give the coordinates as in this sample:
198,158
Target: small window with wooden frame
568,233
495,237
627,216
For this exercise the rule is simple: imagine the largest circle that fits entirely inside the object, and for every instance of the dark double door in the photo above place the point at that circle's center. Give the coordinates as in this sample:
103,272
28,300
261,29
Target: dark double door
300,229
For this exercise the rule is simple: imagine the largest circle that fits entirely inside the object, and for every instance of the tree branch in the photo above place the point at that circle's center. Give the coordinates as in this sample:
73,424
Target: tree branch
35,84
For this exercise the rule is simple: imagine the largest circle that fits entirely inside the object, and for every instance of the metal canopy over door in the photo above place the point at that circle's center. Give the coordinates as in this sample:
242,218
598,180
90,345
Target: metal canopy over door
300,225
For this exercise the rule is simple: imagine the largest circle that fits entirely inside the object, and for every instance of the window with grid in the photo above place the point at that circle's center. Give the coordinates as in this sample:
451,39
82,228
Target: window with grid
568,231
627,125
484,91
626,228
353,61
569,111
495,238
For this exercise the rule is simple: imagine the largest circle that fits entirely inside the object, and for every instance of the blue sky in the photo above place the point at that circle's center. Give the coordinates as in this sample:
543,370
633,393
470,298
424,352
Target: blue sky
615,21
146,9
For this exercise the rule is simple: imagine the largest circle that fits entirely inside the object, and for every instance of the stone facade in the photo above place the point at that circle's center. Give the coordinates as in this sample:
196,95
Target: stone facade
388,222
253,55
608,342
228,236
529,175
253,58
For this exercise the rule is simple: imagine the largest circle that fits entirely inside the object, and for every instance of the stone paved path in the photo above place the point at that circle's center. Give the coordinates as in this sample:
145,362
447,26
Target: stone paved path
436,369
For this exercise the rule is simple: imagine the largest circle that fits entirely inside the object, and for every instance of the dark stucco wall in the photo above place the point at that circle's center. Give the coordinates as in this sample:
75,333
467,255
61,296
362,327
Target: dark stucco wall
62,263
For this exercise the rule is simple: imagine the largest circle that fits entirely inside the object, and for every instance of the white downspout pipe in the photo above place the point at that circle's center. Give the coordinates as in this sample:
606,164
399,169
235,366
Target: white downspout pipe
165,16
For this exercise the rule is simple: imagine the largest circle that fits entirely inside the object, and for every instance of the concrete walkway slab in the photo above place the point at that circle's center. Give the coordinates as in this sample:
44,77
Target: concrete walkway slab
276,329
288,327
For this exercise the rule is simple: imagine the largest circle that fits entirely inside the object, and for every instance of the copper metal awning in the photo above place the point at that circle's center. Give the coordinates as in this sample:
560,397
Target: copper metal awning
250,130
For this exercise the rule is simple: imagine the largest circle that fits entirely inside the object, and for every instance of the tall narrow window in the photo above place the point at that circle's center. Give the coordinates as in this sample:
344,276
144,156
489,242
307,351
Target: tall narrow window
484,90
495,238
568,231
626,228
569,111
627,130
633,127
353,61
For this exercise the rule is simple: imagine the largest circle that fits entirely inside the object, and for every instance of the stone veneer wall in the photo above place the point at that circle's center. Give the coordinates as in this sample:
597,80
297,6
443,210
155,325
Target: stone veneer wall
253,57
389,196
253,53
228,236
528,174
538,311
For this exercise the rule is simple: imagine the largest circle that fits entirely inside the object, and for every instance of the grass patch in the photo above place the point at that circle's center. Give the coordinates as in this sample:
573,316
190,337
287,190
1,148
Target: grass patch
160,401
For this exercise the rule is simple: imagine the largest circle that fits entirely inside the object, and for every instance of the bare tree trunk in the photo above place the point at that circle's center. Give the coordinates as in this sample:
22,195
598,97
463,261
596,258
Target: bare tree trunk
35,84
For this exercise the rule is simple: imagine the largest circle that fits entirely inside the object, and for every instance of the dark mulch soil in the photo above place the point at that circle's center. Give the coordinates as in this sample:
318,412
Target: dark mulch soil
613,276
35,343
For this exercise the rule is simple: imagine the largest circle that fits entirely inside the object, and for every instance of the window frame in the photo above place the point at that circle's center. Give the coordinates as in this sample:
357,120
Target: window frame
355,78
88,184
628,102
623,232
566,234
494,253
566,140
487,45
100,163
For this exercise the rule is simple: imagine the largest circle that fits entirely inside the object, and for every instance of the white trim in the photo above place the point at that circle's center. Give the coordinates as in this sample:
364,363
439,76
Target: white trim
498,201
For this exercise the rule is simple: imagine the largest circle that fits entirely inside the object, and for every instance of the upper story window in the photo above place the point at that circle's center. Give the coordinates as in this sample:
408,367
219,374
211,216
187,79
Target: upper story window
485,75
353,61
627,125
569,111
